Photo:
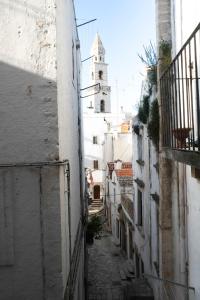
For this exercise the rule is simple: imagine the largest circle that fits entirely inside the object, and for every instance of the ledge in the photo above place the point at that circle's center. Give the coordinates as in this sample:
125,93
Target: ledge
140,230
139,182
156,166
140,162
187,157
155,197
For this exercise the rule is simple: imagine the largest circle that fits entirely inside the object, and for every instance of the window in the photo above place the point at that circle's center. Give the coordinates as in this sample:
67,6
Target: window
140,146
100,58
139,209
142,267
92,75
117,228
108,190
102,106
101,75
73,59
95,164
94,139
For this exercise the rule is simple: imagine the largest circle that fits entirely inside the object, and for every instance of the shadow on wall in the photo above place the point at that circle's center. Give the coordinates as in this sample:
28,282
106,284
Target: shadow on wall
28,116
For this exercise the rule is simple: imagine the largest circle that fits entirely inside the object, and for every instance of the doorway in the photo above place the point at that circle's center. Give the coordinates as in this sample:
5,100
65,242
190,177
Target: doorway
96,192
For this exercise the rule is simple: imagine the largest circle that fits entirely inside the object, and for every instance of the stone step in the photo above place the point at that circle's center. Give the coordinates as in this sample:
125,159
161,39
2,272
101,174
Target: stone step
127,273
130,266
139,289
122,274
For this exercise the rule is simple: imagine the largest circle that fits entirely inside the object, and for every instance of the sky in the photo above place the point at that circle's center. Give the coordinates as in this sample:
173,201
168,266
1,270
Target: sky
125,26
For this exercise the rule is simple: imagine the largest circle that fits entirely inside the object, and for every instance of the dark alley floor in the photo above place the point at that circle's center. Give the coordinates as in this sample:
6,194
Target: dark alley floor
111,275
104,281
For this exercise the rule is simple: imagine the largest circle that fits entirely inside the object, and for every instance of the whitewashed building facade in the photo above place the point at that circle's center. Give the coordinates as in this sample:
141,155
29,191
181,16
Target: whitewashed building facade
178,25
41,201
146,201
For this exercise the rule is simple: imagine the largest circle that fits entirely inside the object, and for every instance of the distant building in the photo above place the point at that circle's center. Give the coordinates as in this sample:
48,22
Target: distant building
119,204
100,123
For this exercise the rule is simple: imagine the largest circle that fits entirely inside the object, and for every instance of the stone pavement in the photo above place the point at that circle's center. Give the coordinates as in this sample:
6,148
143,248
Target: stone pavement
104,281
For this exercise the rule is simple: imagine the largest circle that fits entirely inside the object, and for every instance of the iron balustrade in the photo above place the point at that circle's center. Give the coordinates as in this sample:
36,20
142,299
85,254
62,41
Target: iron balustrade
180,102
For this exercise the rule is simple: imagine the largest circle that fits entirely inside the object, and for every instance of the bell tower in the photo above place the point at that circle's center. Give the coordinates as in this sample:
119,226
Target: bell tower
98,74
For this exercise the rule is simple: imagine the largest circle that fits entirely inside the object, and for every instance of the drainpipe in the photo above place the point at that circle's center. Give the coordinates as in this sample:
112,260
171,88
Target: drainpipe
186,230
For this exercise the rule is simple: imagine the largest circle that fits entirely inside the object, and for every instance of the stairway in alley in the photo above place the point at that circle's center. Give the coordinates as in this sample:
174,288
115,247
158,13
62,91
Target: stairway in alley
111,276
95,207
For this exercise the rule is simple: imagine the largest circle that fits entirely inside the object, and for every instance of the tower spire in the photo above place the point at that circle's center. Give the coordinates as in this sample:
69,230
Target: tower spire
98,49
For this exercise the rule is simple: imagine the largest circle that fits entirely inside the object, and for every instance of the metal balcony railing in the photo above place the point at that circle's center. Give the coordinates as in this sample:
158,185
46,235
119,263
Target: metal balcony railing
171,290
180,98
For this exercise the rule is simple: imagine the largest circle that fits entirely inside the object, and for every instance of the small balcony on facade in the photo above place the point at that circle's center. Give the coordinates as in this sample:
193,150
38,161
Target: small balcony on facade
180,103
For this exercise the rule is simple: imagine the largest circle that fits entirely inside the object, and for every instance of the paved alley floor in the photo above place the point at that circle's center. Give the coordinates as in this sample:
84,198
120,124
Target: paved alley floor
104,281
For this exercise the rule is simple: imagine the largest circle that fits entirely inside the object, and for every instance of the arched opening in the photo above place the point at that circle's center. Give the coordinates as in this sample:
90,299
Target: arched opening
96,192
100,75
102,106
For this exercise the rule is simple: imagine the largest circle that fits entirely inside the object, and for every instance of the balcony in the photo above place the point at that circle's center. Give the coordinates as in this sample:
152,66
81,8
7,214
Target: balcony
180,103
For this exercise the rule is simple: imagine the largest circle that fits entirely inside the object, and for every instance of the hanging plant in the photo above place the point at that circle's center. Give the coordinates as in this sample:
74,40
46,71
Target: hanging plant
143,111
165,54
151,61
153,124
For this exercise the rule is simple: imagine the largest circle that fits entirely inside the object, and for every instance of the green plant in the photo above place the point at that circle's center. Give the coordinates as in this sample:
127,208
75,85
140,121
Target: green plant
165,54
151,61
143,110
146,105
150,58
94,225
153,124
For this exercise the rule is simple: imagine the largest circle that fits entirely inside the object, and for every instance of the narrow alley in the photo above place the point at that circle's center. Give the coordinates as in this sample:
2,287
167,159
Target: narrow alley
111,275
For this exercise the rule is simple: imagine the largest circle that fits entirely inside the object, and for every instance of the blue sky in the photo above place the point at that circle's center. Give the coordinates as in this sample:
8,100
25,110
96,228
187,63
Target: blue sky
124,26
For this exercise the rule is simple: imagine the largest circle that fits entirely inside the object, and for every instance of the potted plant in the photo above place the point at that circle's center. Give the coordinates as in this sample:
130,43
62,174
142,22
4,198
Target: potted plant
151,61
94,227
181,134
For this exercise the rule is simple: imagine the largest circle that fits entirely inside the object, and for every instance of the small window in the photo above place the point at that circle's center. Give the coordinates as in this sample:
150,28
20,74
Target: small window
96,164
92,75
95,58
102,106
139,209
100,58
140,147
100,75
94,139
73,63
108,190
117,228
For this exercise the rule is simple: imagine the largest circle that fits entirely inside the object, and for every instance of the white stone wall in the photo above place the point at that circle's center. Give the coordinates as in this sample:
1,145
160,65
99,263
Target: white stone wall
186,189
146,237
123,146
186,18
39,89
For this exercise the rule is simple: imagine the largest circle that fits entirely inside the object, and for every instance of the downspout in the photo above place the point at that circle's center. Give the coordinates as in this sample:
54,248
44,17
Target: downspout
186,230
42,238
